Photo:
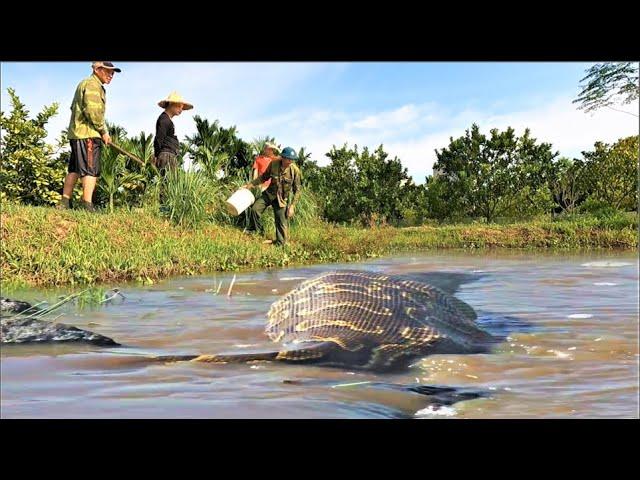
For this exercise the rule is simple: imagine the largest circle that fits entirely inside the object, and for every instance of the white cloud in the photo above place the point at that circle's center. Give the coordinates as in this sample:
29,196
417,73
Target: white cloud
230,92
398,117
569,130
244,93
557,122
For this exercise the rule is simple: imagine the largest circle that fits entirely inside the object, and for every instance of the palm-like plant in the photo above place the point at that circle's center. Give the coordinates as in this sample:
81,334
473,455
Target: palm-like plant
114,175
205,147
258,144
303,157
122,177
215,148
142,147
116,132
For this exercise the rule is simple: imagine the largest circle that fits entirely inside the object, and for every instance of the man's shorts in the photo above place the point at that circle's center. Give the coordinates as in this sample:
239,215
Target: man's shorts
85,157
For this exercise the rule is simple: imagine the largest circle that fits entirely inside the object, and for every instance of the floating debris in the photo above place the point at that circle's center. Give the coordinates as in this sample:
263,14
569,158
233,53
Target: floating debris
292,382
114,293
560,354
580,315
348,384
231,286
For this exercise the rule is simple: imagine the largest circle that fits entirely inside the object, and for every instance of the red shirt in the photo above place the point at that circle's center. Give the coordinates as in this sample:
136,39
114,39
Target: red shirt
261,164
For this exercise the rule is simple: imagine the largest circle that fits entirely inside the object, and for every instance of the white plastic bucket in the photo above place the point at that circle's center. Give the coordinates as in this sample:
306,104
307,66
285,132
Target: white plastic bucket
240,201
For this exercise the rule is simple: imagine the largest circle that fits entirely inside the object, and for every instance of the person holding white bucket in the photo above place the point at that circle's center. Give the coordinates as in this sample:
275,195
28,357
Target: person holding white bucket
286,179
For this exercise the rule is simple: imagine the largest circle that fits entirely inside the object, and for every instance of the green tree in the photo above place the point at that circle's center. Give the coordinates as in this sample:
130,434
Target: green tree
611,173
608,84
29,172
366,186
567,184
413,205
487,176
440,200
338,186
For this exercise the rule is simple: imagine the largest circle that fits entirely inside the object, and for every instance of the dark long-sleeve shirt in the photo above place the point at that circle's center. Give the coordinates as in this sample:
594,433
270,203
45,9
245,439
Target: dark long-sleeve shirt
166,140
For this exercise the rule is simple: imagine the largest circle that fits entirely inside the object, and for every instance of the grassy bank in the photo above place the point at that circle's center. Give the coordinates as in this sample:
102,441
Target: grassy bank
43,246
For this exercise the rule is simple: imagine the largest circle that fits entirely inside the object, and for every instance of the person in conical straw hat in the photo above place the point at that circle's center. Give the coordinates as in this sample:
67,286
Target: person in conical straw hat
166,145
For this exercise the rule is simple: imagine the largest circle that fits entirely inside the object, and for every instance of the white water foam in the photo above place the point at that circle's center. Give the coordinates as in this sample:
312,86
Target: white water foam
605,263
431,411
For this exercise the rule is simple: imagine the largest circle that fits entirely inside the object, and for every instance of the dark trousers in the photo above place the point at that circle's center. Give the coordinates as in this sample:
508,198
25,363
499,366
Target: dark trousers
165,161
282,223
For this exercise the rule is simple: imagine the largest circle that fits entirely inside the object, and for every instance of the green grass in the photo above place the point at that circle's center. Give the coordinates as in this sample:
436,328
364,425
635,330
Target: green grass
187,194
46,247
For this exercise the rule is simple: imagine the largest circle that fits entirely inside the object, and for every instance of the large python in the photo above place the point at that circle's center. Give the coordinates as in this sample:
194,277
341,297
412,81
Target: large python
363,320
349,319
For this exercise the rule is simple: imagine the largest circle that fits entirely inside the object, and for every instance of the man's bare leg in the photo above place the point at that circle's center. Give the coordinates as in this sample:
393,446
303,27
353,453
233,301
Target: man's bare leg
88,186
69,182
67,191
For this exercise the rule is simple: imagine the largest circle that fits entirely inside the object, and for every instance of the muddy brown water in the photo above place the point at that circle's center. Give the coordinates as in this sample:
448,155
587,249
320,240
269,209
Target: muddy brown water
570,348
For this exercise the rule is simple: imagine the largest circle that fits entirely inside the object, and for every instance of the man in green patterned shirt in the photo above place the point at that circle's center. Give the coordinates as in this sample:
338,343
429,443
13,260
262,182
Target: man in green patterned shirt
285,183
87,132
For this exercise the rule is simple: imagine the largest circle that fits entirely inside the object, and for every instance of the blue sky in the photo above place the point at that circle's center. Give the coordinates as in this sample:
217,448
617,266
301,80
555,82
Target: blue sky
410,107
